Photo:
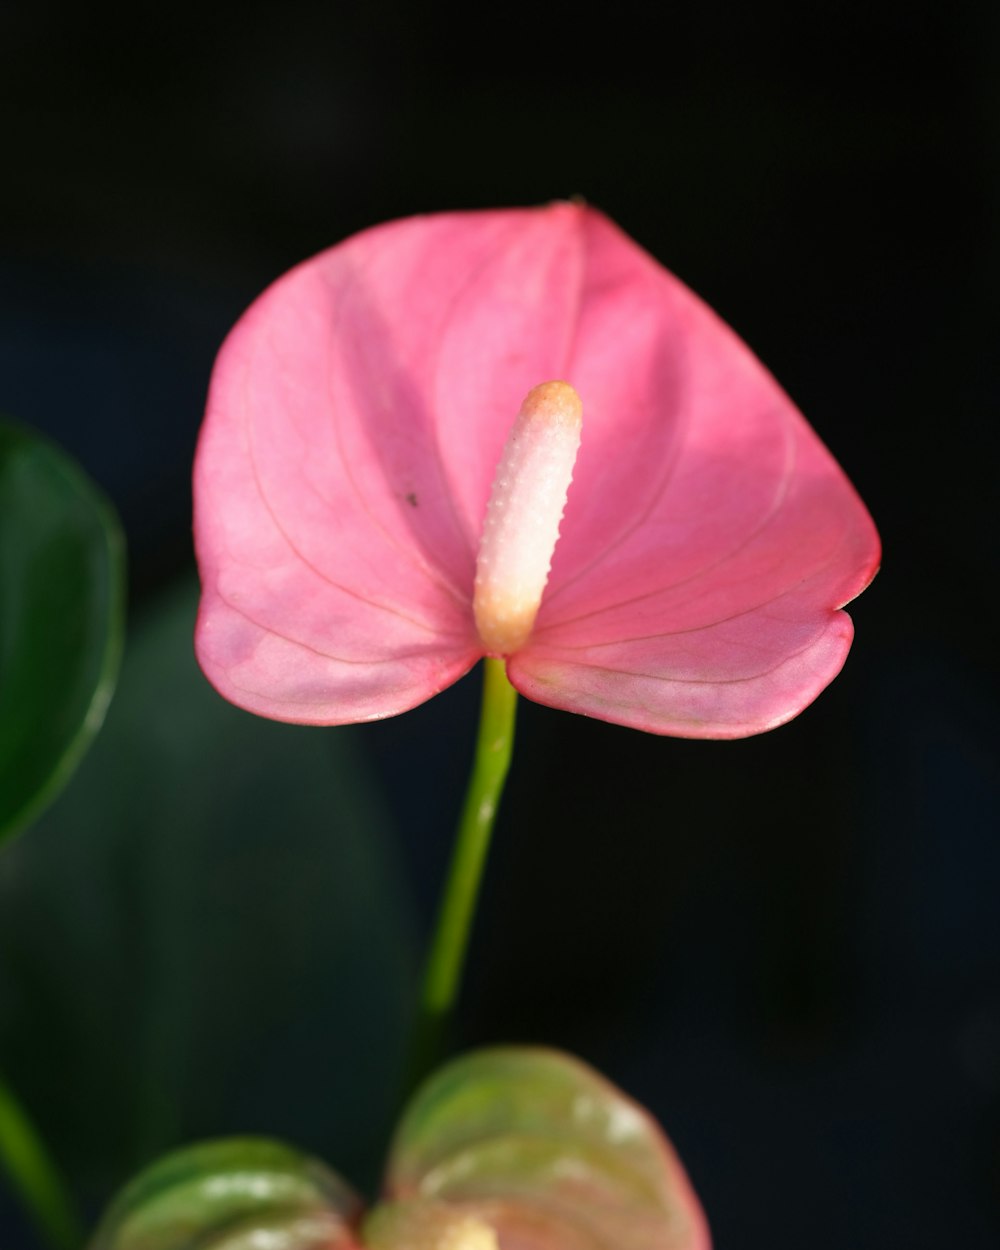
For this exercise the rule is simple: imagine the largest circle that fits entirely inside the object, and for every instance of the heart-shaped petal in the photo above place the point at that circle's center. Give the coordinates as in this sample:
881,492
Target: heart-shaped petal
540,1149
235,1194
356,420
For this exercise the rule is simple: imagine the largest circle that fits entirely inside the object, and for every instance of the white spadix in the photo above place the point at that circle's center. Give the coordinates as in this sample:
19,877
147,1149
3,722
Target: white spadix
523,515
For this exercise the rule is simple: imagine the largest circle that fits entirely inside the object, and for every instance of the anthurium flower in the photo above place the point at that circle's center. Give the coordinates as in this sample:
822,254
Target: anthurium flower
386,458
525,1148
508,1149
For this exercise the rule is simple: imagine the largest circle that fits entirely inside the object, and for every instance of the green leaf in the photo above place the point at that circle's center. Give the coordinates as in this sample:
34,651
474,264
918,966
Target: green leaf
541,1149
62,575
236,1194
208,934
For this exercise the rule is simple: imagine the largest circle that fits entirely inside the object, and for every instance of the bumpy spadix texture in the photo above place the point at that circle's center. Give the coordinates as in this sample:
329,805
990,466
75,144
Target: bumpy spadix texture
522,517
356,419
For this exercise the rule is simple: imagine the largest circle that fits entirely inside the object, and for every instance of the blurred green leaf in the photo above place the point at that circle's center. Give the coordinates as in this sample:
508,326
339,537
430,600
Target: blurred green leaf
236,1194
207,934
62,574
543,1150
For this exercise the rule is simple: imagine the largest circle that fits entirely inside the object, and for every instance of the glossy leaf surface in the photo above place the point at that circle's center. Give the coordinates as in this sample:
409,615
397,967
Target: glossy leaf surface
542,1149
62,573
238,1194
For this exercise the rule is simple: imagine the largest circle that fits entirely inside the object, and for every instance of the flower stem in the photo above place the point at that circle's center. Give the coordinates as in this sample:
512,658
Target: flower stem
446,958
33,1177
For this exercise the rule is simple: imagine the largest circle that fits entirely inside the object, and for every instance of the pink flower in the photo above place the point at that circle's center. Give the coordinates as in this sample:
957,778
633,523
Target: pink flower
356,419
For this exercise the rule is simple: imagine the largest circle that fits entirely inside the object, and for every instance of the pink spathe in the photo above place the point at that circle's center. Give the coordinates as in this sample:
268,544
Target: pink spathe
356,418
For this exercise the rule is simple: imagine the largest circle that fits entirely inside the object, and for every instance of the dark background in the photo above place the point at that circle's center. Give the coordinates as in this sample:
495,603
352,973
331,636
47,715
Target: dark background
789,947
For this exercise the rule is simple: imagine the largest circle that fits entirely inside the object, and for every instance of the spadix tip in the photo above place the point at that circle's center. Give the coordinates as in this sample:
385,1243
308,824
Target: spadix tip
555,402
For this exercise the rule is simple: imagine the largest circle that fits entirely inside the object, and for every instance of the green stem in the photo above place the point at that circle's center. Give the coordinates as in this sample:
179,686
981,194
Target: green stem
34,1178
446,958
